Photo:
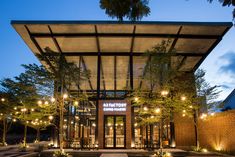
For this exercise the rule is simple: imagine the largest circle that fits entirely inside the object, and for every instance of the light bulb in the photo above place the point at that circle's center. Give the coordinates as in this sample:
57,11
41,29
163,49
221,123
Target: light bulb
52,99
65,96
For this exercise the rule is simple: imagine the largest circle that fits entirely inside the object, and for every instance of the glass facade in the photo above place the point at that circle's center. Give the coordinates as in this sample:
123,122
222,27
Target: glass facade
114,54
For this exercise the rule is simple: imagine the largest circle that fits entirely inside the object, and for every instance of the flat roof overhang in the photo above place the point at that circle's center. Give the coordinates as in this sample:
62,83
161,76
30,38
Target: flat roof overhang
82,41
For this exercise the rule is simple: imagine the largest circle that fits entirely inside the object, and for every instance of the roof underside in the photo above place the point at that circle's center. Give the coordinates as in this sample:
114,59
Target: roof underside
81,42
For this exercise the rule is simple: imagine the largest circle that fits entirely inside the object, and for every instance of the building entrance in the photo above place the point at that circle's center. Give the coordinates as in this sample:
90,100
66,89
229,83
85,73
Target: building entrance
114,131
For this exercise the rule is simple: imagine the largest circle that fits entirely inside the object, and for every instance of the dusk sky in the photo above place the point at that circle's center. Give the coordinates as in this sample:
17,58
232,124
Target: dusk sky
219,65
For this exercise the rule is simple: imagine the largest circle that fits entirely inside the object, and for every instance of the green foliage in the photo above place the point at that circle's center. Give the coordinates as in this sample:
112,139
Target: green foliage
64,74
162,77
23,93
196,149
207,93
132,9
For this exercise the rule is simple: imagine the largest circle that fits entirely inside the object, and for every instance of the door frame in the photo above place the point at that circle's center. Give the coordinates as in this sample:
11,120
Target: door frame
114,131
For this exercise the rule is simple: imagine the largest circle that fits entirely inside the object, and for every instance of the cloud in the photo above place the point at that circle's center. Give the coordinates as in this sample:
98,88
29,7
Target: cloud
224,86
229,61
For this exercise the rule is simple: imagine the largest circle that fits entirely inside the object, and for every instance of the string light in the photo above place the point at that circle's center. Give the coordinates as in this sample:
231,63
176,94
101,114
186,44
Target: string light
39,102
203,116
65,96
52,99
157,110
164,93
136,99
46,103
145,109
183,98
50,117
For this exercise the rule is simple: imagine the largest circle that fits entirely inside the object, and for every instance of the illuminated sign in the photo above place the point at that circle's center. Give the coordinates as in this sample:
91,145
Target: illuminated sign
114,107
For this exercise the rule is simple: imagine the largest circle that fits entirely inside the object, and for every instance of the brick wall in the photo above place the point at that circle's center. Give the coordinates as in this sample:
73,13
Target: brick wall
215,132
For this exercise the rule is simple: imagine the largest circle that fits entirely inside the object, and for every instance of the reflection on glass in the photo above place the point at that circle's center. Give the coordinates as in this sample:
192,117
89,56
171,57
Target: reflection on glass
109,131
119,128
115,132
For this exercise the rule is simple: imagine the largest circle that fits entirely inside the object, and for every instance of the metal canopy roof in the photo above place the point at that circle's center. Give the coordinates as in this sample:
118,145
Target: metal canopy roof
120,44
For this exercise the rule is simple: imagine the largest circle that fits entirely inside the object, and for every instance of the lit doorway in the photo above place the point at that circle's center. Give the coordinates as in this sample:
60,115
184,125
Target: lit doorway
114,132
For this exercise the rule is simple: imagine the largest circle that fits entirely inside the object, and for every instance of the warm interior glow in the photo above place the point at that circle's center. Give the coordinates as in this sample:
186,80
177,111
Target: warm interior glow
76,103
2,99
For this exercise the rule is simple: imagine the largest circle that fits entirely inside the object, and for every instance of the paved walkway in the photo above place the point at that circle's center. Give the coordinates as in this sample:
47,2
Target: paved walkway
13,150
132,153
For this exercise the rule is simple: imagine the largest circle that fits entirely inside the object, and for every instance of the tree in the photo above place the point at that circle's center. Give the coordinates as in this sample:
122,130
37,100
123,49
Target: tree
226,3
64,75
24,94
132,9
166,94
5,115
25,90
205,100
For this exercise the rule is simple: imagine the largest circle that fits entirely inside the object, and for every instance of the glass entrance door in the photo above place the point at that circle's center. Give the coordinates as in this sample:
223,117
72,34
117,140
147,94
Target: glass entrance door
114,131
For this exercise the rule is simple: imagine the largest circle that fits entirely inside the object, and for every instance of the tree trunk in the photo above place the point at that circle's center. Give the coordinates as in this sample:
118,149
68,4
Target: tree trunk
4,131
38,134
196,129
25,134
161,135
61,125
